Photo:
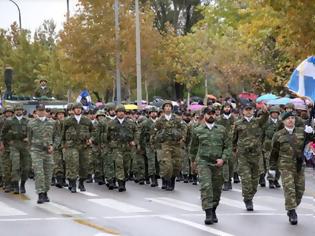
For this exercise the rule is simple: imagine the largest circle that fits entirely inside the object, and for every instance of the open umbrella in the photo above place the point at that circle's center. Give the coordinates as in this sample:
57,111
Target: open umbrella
266,97
246,95
195,107
131,107
279,101
298,101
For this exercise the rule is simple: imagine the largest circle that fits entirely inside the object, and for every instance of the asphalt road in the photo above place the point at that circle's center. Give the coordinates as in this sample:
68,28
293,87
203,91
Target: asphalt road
146,211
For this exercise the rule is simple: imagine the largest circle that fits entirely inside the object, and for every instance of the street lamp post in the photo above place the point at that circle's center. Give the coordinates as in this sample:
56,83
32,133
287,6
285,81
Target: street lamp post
117,32
138,57
20,20
68,11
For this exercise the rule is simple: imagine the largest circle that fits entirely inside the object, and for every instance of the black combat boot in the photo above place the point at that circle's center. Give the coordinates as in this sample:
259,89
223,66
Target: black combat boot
64,182
89,179
230,184
271,184
293,219
111,184
186,180
22,187
101,180
41,198
59,182
236,178
209,216
81,185
147,181
226,186
164,183
276,182
1,182
73,185
262,180
214,215
53,181
46,198
249,205
141,181
154,182
7,187
121,186
195,179
171,184
16,188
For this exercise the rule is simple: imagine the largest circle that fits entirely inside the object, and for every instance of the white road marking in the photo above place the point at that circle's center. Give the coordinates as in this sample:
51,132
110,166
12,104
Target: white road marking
306,206
130,217
176,203
6,210
249,214
45,219
118,205
195,225
240,204
58,209
236,190
84,193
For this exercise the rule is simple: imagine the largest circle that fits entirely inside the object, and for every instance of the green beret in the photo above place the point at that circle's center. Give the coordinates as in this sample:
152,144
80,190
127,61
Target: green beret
286,115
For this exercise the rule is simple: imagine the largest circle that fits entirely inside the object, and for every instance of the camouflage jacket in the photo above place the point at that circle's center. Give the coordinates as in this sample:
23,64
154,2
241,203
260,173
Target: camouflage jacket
39,92
227,123
41,134
14,130
120,135
247,136
168,130
75,133
282,154
269,129
147,130
210,145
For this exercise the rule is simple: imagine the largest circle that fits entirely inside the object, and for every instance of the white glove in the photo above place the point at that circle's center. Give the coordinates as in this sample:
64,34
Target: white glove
308,129
272,173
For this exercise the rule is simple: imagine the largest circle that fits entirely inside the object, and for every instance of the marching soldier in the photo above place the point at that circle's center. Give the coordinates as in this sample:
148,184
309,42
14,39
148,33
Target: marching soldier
212,145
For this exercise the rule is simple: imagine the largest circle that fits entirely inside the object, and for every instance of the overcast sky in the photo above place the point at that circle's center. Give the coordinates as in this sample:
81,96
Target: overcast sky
34,12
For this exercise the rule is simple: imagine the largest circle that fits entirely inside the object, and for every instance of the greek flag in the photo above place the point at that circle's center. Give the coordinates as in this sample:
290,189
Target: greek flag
302,81
85,99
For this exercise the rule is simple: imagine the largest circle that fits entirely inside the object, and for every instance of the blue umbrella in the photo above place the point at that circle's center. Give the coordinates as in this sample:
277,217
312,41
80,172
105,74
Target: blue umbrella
279,101
266,97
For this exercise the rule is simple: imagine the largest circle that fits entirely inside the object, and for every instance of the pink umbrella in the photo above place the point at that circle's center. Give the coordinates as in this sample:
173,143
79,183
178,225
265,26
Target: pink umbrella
195,107
298,101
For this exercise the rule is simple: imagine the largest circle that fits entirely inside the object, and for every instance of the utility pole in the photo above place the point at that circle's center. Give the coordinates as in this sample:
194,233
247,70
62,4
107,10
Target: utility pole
117,32
20,18
138,57
68,11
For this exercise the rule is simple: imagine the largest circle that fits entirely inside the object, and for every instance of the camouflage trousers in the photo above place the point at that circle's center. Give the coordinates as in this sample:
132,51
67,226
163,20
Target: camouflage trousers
98,162
249,172
170,160
185,162
43,165
121,157
6,166
138,164
264,165
228,170
293,186
77,160
109,164
151,159
91,160
211,181
58,163
20,159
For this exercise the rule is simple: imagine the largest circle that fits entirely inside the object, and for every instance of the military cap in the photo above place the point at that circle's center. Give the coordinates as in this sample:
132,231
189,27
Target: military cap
100,113
167,102
111,106
249,105
77,105
120,108
208,110
289,105
69,106
287,115
227,104
152,109
60,111
8,109
18,107
40,107
217,106
274,109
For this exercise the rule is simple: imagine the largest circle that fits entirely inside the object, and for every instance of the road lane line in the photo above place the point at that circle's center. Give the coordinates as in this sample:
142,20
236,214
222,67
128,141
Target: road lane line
240,204
6,210
89,194
97,227
175,203
118,205
129,217
58,209
249,214
195,225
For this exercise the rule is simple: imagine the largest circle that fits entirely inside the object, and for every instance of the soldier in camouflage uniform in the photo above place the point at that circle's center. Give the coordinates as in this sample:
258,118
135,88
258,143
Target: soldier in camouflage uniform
227,120
269,128
186,118
286,155
43,90
147,128
59,164
247,142
121,135
42,139
212,142
5,151
15,132
168,131
76,136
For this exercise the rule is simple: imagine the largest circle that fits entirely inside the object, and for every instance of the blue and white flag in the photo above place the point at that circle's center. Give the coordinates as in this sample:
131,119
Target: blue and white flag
85,99
302,81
